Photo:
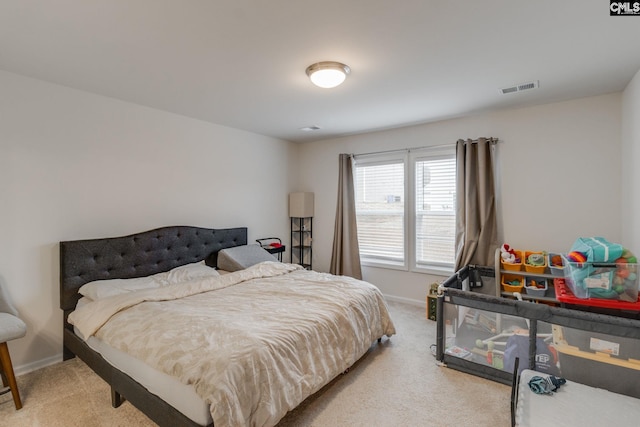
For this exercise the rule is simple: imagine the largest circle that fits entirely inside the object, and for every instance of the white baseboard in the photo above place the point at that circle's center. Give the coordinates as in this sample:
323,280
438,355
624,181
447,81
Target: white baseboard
410,301
38,364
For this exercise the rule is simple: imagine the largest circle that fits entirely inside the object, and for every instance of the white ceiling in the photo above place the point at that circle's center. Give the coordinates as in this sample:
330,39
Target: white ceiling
241,63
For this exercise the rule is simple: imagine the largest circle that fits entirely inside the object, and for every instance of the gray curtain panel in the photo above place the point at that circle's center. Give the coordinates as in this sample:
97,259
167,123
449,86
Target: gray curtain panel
476,224
345,257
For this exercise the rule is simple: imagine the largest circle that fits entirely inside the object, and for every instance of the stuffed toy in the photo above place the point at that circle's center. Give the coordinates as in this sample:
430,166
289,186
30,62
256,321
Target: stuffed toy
535,259
507,254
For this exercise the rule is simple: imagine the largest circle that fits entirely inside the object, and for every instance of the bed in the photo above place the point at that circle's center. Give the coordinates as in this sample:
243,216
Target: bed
242,348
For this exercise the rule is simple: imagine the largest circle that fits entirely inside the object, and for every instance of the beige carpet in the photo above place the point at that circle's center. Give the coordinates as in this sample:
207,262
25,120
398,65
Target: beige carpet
396,384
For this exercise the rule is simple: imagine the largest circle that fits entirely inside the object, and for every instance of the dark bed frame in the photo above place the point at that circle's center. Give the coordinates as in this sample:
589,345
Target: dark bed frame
136,255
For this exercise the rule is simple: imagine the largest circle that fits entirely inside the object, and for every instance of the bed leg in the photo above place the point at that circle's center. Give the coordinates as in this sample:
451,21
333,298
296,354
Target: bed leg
67,354
116,398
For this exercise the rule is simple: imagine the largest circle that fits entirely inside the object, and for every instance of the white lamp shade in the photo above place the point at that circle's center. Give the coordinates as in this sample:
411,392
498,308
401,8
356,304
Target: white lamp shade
301,205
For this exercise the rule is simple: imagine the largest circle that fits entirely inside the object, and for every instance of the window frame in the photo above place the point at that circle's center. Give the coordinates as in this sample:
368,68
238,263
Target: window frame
416,155
386,159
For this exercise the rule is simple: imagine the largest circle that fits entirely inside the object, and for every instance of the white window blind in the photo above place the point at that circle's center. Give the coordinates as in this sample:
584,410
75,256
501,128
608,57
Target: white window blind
380,211
435,213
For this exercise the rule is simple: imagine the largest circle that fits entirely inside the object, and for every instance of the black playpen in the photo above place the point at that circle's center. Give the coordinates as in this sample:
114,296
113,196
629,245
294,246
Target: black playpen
485,334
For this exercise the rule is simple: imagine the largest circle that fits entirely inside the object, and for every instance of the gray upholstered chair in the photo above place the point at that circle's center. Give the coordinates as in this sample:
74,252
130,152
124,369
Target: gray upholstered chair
11,327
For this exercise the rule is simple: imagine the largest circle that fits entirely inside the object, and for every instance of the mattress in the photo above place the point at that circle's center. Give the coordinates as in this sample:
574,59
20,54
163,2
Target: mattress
181,396
573,404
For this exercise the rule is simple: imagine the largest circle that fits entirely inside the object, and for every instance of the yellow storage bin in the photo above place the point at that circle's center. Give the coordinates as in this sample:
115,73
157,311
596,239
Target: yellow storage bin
517,266
531,268
508,283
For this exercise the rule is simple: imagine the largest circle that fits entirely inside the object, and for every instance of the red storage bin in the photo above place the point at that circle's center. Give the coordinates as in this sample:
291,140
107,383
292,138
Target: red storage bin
564,294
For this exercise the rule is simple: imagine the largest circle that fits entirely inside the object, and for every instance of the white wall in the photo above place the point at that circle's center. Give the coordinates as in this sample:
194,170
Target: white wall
560,169
74,165
630,161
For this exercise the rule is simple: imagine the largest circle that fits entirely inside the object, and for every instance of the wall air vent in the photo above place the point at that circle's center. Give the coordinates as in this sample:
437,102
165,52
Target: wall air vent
520,87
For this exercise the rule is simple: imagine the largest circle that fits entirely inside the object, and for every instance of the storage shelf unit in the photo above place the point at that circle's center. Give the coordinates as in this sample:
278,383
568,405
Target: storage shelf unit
549,295
301,239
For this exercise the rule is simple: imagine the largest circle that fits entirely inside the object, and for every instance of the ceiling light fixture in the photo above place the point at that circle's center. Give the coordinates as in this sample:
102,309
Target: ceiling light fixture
328,74
310,128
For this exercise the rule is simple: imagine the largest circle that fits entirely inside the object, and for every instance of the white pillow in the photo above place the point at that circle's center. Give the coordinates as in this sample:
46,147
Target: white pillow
107,288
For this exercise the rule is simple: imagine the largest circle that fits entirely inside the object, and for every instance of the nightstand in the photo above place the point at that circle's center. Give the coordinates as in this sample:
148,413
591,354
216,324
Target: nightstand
273,245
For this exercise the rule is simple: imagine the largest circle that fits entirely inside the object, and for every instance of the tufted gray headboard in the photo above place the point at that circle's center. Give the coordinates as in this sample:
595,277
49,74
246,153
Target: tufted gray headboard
138,255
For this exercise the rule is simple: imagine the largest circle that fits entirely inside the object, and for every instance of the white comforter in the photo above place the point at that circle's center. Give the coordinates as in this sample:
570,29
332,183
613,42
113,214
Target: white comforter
254,343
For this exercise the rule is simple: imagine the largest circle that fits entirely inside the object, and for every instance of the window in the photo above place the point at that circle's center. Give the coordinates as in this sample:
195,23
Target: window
405,209
380,211
435,213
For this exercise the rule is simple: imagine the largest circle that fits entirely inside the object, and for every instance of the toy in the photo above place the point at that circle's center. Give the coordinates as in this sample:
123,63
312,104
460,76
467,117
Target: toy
628,256
498,353
546,385
537,284
508,255
623,272
535,259
575,256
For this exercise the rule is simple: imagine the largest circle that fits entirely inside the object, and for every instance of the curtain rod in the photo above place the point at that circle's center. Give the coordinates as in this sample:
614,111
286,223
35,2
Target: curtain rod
408,150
